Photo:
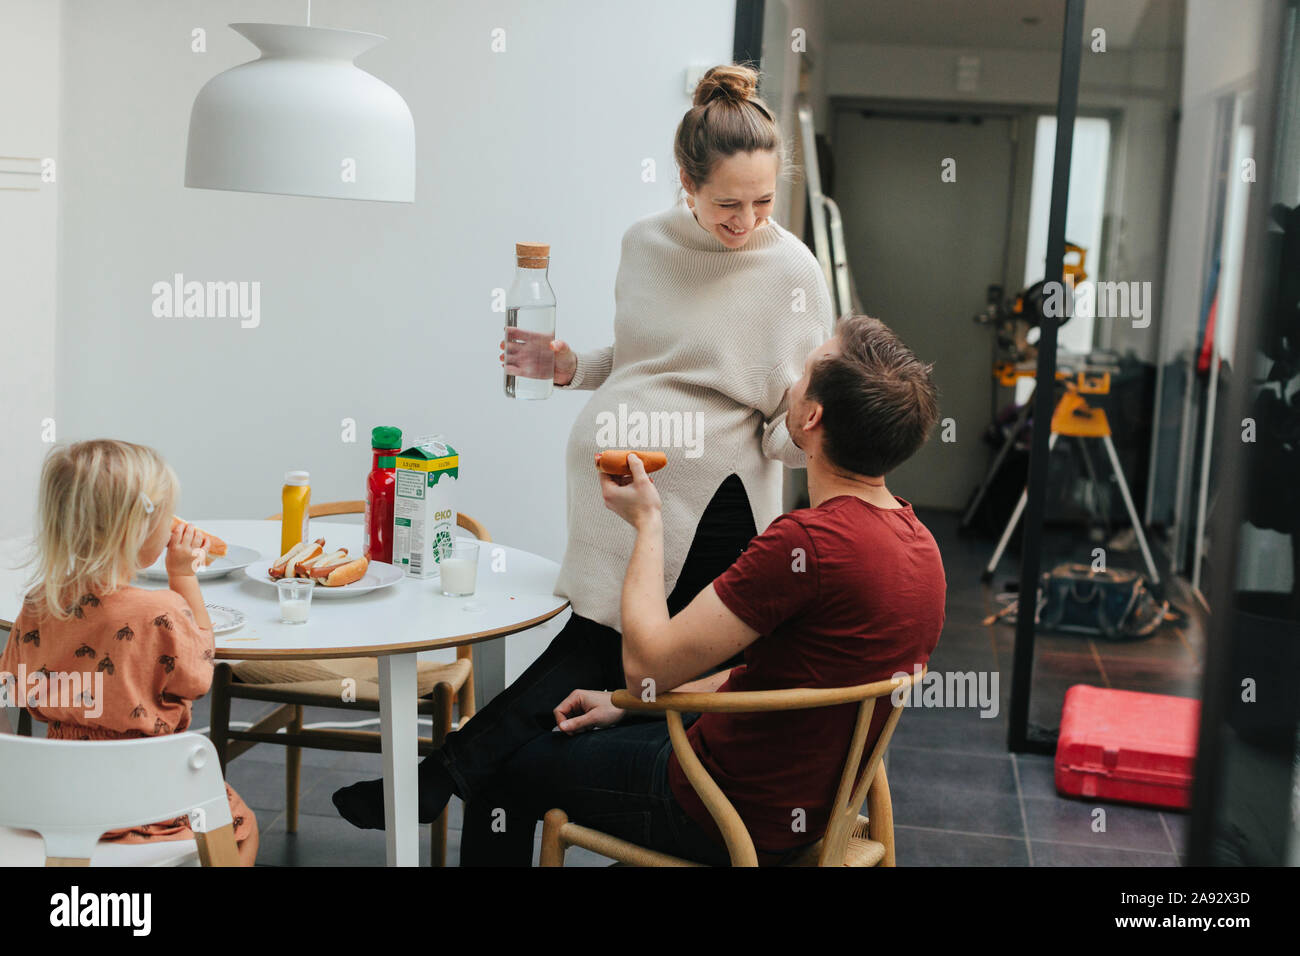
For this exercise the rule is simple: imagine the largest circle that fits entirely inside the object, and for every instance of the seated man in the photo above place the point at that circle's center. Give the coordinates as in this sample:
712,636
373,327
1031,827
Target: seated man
846,592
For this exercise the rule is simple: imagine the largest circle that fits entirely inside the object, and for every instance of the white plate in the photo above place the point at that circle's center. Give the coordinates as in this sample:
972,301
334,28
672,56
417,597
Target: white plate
225,619
378,575
234,559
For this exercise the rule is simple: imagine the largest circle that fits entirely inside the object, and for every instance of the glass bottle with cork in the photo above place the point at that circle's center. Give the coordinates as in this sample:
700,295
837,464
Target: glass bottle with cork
530,324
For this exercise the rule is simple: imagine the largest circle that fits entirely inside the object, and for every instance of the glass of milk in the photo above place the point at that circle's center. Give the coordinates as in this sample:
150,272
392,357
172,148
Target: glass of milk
458,567
295,599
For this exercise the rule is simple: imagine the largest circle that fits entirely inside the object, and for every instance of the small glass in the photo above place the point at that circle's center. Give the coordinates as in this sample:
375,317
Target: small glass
295,599
458,567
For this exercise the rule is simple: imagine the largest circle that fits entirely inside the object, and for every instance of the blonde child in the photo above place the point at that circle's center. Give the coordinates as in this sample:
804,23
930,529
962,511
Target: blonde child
143,656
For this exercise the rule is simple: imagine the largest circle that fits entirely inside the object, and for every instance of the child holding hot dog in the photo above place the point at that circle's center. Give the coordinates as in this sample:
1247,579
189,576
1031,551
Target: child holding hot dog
105,512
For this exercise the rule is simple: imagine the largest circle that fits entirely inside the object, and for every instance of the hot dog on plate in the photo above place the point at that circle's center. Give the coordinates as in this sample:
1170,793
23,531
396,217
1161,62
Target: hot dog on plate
309,559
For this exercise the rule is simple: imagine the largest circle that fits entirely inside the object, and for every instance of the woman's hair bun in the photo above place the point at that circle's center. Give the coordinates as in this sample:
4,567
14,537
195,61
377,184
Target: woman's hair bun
738,83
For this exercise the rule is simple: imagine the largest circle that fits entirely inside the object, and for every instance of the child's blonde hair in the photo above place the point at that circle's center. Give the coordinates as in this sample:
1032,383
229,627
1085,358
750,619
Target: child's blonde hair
99,502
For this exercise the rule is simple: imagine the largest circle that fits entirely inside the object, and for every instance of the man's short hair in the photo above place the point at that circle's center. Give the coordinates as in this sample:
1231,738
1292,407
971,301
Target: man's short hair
878,400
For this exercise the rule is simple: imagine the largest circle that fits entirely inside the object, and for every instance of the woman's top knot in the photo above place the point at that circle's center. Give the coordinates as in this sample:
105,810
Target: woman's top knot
735,83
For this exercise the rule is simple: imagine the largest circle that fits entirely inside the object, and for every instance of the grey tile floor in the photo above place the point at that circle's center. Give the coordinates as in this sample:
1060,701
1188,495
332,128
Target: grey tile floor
960,798
324,838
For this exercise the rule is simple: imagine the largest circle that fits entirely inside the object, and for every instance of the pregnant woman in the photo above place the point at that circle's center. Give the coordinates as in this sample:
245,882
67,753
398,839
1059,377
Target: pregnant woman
716,308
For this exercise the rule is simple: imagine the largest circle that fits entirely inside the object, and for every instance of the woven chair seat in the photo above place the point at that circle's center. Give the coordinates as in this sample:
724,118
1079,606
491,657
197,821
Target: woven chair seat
323,679
861,851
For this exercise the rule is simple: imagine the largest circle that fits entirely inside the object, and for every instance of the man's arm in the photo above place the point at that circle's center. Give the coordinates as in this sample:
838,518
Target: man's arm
705,685
666,650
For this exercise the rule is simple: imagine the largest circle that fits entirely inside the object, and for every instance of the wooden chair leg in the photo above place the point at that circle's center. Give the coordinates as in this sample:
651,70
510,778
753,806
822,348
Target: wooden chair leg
218,848
293,775
552,838
880,814
443,698
220,723
465,699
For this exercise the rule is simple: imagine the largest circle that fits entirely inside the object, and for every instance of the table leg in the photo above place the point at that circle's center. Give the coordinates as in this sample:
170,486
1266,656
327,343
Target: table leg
398,733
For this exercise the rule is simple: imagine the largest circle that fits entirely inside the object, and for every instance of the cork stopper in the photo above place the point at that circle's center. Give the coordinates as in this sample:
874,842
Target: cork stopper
532,255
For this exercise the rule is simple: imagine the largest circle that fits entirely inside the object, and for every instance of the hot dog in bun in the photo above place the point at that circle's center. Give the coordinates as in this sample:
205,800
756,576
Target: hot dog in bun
216,547
309,559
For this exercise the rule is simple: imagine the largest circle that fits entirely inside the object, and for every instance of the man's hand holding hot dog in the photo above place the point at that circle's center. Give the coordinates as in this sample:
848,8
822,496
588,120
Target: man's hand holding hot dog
633,498
668,651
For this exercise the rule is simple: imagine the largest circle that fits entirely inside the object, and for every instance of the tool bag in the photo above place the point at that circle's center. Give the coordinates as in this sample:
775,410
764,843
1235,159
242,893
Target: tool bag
1114,604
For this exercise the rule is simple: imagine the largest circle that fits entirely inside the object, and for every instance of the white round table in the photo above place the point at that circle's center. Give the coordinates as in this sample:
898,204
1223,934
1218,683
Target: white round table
514,592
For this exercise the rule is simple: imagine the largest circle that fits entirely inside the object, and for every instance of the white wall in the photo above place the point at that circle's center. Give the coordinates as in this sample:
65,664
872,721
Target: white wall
29,127
375,312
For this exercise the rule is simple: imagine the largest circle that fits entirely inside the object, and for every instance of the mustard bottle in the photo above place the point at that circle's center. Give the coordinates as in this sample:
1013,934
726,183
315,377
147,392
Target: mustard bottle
295,502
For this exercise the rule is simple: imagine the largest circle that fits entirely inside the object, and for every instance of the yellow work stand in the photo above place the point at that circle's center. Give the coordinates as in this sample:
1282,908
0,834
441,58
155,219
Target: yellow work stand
1076,419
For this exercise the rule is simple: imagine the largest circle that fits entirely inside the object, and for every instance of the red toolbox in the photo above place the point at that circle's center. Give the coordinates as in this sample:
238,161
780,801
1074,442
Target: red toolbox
1126,746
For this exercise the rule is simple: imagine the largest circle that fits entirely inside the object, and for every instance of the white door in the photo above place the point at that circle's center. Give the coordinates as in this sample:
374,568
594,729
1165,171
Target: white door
923,252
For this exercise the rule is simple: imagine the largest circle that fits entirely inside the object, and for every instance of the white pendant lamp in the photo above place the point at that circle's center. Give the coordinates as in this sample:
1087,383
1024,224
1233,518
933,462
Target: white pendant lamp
303,120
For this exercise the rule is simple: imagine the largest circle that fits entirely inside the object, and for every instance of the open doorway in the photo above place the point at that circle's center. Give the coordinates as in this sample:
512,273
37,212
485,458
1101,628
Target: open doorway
927,199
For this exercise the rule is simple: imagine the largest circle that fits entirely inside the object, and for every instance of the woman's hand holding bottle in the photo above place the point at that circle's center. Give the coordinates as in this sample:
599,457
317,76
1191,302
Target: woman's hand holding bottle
528,358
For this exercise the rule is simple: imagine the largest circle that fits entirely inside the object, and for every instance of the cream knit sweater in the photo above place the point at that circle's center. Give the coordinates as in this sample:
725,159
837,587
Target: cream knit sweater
706,341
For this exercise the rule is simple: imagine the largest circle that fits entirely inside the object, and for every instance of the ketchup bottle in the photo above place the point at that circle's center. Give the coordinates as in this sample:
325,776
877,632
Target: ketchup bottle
386,441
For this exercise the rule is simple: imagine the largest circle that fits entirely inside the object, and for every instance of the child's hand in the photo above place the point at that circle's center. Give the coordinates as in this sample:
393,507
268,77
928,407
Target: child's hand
187,550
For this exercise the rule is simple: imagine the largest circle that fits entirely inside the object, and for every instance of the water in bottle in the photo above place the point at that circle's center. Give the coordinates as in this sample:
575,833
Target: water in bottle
530,324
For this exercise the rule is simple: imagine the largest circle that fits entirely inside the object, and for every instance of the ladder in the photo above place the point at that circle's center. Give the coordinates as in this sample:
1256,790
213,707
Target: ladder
827,226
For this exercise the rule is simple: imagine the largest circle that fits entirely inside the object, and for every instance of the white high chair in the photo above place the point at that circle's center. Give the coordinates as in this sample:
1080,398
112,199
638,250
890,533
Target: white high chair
57,797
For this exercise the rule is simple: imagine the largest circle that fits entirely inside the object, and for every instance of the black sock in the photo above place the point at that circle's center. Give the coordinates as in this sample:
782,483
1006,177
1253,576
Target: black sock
362,803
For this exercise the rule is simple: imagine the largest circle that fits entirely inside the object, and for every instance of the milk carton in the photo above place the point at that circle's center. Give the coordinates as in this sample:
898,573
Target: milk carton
424,511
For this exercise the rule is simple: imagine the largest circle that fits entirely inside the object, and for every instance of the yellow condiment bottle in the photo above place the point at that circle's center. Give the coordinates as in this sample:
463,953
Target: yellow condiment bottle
295,500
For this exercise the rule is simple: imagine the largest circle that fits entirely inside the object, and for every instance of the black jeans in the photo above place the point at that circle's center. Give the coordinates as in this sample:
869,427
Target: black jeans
615,780
585,655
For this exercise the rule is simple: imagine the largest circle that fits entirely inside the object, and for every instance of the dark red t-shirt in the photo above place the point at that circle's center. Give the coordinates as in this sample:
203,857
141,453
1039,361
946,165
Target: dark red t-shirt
842,594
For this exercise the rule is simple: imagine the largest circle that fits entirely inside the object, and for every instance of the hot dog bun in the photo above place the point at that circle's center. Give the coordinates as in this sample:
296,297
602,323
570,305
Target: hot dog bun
338,575
216,547
309,559
308,568
302,551
613,461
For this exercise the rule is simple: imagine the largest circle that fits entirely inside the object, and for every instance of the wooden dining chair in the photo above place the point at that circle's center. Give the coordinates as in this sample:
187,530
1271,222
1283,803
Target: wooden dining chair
850,838
295,684
58,797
